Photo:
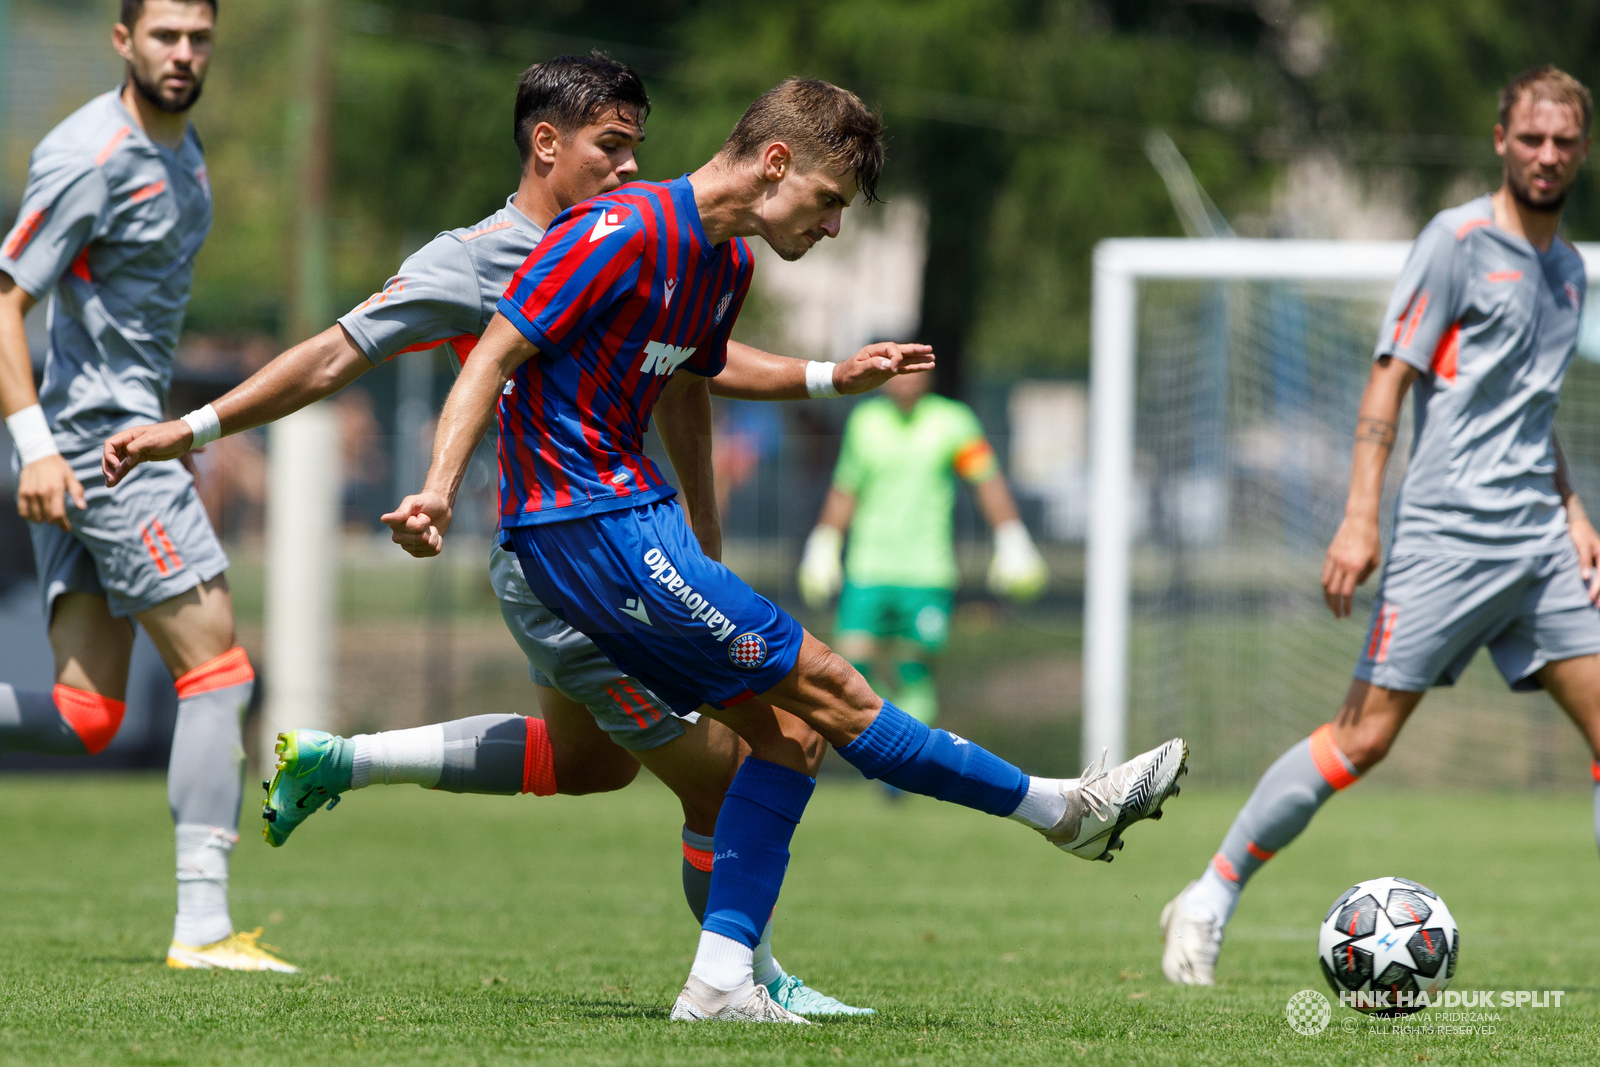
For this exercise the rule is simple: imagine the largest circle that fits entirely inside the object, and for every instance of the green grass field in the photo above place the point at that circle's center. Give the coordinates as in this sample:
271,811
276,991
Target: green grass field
475,930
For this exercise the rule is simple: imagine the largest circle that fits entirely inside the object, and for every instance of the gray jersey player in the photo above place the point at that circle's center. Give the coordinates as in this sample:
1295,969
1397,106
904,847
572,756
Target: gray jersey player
117,206
1491,547
577,121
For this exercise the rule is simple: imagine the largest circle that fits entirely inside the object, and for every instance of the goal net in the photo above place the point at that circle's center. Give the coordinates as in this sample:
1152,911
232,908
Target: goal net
1226,381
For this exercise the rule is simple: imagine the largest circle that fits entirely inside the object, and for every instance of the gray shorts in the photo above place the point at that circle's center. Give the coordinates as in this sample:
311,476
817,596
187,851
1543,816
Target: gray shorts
1434,613
142,543
563,659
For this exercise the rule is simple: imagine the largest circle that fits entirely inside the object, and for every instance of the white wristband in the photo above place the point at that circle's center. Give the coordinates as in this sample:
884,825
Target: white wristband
31,434
819,380
205,424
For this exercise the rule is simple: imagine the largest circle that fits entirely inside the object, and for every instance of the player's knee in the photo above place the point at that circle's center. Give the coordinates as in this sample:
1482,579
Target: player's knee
833,675
1365,747
94,718
596,772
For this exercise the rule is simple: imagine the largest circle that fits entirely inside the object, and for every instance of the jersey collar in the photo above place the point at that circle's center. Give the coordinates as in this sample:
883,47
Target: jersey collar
522,221
683,194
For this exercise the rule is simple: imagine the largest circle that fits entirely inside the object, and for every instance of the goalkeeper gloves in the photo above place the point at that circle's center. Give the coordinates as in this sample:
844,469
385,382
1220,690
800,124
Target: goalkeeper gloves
1017,571
820,573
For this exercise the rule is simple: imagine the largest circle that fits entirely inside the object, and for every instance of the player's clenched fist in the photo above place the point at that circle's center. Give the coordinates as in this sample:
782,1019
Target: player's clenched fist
420,523
1351,559
128,448
877,363
43,489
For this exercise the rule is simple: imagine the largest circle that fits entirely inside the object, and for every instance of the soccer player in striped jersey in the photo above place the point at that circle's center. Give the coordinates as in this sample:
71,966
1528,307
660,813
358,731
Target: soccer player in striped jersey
1491,547
576,122
626,293
117,207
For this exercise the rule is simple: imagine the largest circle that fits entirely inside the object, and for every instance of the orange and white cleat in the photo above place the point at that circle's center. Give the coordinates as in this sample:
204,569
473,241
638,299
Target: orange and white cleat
238,951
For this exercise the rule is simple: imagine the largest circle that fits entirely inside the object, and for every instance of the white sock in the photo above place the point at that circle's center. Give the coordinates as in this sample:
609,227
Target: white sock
1045,803
203,884
721,962
1213,895
395,757
765,967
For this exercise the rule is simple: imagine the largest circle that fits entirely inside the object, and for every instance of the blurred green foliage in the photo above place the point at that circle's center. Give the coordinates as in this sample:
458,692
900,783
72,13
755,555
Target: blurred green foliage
1020,123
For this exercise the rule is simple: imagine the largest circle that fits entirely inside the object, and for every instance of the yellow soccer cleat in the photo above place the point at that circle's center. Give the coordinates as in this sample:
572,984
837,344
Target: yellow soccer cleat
238,951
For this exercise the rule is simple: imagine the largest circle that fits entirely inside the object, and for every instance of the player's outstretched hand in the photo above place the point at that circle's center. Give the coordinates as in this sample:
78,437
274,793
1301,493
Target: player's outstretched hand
876,364
1351,559
44,488
1587,541
126,449
420,523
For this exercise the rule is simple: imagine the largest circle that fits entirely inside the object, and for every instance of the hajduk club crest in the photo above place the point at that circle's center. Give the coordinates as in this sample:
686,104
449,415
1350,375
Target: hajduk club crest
748,650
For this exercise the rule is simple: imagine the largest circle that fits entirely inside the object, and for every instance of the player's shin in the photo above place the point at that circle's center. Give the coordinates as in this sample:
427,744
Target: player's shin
910,756
697,852
758,819
205,788
62,722
1285,799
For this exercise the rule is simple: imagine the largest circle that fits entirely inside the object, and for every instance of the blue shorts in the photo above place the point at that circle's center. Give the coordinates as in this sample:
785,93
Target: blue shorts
637,583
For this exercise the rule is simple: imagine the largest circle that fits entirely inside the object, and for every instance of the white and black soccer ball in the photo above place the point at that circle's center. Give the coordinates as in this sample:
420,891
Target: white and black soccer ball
1392,943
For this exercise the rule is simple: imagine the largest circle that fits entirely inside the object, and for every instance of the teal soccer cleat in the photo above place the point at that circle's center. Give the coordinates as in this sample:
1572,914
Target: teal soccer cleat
313,769
801,999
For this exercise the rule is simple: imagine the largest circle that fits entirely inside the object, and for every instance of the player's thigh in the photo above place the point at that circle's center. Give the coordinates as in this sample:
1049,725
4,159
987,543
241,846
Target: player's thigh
1574,683
192,628
775,735
586,759
1369,721
92,647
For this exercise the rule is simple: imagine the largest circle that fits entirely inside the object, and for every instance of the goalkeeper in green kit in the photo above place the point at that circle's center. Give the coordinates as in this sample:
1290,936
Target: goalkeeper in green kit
894,490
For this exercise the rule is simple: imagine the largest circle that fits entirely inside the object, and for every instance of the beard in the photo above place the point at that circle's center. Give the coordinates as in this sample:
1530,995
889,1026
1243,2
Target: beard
1524,196
153,95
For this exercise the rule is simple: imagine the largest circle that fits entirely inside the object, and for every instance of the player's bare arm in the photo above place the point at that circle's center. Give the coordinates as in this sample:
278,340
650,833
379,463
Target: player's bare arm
422,520
46,482
306,373
752,374
1584,536
1356,549
683,419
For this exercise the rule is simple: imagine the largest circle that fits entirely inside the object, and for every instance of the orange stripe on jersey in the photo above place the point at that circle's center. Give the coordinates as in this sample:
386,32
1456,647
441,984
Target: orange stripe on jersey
538,761
975,461
1224,868
80,267
93,718
698,858
230,668
1594,770
23,234
1446,354
454,342
153,189
1388,632
1329,760
475,234
155,553
463,346
1468,227
166,545
1505,276
111,146
1259,853
1416,319
1400,320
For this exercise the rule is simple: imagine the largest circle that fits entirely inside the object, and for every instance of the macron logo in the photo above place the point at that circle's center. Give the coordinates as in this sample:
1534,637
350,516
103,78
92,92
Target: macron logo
635,607
672,286
663,359
606,225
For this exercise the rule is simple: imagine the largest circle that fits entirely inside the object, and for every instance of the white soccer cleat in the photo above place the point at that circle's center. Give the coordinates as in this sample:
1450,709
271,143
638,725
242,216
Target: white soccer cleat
1103,803
237,952
750,1003
1193,941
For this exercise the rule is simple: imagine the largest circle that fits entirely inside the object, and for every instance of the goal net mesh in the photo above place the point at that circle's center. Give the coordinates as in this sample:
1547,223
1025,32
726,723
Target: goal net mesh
1247,394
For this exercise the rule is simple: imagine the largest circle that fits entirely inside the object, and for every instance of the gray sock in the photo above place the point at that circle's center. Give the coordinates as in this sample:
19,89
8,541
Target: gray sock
31,722
697,852
1282,805
484,754
205,786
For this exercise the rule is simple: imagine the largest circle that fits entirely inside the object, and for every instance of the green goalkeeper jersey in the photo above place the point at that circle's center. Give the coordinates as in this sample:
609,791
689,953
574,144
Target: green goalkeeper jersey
902,470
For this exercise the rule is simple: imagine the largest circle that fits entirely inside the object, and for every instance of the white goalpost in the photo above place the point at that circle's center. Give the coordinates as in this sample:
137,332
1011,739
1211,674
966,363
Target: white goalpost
1218,412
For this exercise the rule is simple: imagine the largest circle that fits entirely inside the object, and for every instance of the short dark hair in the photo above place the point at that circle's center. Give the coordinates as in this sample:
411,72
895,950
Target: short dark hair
132,9
570,92
1547,83
821,123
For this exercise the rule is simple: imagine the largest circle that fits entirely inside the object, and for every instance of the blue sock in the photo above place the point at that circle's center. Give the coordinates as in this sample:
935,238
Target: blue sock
759,814
936,763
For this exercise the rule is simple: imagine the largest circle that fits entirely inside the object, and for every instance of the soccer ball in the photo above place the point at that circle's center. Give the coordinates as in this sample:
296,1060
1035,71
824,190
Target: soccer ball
1388,946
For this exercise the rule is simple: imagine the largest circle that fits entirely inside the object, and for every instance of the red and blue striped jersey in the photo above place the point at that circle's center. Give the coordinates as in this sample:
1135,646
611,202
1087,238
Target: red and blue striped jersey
622,292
